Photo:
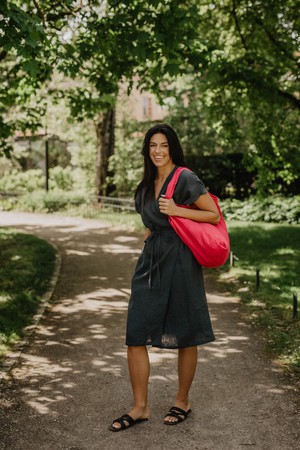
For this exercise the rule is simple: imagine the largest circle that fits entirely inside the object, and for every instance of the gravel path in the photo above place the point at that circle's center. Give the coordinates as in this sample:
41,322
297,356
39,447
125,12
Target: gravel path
72,379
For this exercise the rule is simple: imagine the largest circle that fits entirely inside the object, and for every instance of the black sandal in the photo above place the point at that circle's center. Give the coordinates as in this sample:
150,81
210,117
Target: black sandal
122,421
178,413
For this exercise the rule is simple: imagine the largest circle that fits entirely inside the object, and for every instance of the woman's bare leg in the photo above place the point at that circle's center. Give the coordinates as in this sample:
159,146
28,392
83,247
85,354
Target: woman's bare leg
187,363
139,370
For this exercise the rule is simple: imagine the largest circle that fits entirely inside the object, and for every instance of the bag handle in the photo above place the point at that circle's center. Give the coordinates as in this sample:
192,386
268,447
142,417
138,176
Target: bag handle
172,184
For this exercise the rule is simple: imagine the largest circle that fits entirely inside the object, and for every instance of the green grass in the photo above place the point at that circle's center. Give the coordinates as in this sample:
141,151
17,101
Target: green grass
26,265
275,251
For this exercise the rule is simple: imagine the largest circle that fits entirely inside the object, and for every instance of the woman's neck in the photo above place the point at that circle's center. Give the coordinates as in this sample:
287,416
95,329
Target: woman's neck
164,172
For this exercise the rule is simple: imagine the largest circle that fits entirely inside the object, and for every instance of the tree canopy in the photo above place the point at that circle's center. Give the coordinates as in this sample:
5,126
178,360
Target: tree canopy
245,96
238,64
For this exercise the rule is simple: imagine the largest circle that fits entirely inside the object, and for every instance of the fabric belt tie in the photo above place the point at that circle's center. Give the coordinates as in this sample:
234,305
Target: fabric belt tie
154,239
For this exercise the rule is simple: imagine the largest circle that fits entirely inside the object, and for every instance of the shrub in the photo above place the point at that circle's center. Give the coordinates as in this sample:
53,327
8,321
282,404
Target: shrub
28,181
34,180
61,178
42,201
126,164
277,209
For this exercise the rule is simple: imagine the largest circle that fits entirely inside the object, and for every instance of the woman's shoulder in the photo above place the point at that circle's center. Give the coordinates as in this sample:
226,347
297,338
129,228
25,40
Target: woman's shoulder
188,175
189,188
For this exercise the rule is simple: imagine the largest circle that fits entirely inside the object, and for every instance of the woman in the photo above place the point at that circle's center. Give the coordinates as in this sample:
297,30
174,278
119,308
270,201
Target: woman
168,307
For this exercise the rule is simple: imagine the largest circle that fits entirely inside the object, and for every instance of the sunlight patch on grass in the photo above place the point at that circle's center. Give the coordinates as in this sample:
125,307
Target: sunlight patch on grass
4,298
285,251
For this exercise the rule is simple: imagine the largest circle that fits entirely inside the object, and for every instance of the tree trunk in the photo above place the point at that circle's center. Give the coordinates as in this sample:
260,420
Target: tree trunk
105,126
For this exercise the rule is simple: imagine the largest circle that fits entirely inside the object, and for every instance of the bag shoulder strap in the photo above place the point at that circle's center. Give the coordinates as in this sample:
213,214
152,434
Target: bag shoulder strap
172,184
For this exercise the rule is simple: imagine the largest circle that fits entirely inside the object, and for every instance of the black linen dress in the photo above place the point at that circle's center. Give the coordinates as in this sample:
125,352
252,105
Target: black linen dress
168,307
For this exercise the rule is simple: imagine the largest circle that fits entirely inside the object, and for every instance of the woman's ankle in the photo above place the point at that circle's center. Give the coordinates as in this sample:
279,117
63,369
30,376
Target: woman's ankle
183,403
138,411
140,406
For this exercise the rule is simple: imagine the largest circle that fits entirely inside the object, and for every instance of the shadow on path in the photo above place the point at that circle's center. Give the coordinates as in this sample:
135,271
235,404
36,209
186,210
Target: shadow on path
72,379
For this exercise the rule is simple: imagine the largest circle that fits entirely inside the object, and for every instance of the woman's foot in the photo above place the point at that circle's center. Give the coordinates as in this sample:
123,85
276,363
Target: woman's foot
137,414
175,415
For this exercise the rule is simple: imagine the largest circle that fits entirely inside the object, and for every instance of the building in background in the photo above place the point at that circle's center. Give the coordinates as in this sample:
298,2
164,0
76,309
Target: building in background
140,106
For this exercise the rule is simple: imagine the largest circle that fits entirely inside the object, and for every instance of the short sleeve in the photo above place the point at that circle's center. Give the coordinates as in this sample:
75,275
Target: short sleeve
188,189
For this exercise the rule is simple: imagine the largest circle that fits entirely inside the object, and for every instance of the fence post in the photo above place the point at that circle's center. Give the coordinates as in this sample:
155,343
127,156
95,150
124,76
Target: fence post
47,164
295,306
231,260
257,279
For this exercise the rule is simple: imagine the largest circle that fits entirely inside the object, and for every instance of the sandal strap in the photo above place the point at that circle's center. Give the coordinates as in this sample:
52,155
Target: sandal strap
128,419
177,411
174,414
121,421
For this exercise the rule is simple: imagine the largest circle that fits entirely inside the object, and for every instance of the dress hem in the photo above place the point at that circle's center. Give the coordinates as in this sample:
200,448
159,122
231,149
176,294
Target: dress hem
149,344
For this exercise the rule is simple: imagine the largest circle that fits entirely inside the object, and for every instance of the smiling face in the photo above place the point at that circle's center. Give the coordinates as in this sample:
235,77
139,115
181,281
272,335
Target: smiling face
159,151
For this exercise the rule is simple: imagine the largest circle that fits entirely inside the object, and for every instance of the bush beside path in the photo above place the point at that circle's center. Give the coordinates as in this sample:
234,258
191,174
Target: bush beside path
71,381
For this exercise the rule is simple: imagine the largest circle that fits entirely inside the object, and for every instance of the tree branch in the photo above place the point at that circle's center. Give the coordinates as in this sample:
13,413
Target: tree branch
55,27
275,42
75,10
258,82
238,25
292,98
39,12
65,12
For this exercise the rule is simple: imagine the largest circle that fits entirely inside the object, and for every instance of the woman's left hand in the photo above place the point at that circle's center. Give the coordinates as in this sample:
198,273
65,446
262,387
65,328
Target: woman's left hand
167,206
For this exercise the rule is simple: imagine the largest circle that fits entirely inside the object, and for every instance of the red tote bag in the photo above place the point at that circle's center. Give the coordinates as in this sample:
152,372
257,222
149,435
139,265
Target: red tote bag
209,243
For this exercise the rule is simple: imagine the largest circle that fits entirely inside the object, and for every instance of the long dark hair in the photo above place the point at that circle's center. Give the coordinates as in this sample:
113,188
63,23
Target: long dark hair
150,171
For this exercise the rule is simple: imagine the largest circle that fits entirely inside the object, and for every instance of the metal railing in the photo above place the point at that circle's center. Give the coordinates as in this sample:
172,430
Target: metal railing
112,210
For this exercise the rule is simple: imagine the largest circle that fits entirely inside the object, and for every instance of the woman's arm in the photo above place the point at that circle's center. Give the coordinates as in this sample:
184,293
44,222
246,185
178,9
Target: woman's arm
147,233
207,209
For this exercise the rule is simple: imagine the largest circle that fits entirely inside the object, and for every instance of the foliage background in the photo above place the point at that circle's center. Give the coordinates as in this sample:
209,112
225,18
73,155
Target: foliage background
228,71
